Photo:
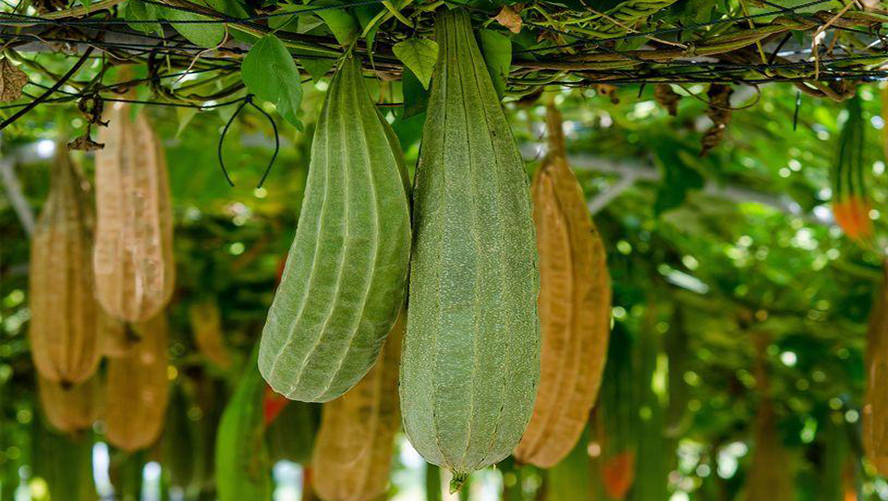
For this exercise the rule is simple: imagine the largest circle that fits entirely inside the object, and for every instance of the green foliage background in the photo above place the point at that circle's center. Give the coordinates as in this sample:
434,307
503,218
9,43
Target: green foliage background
688,267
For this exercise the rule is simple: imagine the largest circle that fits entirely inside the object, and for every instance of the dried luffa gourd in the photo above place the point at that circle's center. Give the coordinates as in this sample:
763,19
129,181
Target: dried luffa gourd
118,337
206,324
70,408
353,452
574,308
137,389
771,474
64,323
875,407
133,258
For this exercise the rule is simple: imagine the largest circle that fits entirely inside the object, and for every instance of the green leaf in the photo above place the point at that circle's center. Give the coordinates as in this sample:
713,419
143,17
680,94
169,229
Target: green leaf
202,35
409,130
420,56
287,23
678,177
184,115
497,51
365,15
305,23
140,11
232,8
143,93
344,26
270,73
692,11
415,96
317,67
86,3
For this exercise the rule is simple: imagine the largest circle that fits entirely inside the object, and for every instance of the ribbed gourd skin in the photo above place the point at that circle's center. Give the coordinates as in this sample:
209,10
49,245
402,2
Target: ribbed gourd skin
353,452
137,389
574,308
470,362
346,273
70,409
63,330
133,258
851,202
243,465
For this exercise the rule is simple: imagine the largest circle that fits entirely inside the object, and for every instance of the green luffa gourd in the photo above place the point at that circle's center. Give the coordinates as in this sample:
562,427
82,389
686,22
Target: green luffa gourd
291,435
243,465
64,462
471,355
346,273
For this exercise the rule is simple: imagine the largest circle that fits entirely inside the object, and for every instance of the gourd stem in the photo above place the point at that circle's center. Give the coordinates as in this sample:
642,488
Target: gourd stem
457,482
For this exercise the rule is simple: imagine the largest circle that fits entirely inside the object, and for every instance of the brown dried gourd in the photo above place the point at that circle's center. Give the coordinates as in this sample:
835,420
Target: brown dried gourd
118,338
353,451
70,408
574,308
133,258
63,330
770,475
137,391
875,406
206,324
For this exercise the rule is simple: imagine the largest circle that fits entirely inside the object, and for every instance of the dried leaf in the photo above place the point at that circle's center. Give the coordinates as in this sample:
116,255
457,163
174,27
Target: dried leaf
12,80
510,18
92,107
667,98
84,143
609,91
719,112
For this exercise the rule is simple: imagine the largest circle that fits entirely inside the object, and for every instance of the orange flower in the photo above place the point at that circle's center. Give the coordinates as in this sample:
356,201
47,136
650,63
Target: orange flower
619,473
852,215
272,405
